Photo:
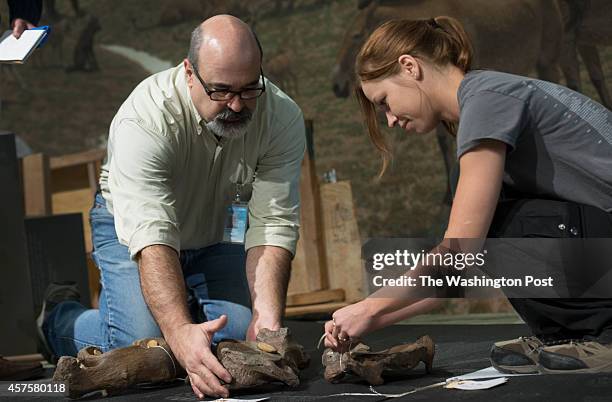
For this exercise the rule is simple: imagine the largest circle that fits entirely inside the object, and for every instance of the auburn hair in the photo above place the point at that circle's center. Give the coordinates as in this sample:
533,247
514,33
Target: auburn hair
440,41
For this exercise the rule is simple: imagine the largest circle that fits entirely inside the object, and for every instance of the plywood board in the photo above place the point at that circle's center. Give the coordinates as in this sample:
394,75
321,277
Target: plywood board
36,185
77,159
317,297
342,240
309,270
299,275
314,309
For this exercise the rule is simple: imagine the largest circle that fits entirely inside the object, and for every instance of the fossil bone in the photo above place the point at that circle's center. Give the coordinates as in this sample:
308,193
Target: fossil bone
148,360
275,357
372,366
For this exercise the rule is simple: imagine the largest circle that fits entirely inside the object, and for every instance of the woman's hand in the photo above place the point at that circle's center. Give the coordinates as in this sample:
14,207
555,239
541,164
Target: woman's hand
349,323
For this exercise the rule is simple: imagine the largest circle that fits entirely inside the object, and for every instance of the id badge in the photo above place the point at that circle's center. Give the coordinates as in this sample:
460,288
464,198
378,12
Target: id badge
236,223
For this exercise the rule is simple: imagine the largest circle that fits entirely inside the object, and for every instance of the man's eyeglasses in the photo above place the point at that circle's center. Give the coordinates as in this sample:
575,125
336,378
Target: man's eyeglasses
226,94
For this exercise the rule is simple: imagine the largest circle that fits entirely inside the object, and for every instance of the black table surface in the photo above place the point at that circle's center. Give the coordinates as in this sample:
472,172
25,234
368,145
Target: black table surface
460,349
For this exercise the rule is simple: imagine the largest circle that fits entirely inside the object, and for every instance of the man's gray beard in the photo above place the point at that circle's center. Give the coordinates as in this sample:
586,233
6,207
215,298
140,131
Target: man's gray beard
219,126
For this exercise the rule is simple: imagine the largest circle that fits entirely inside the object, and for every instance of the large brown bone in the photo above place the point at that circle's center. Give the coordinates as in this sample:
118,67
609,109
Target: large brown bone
372,366
149,360
274,357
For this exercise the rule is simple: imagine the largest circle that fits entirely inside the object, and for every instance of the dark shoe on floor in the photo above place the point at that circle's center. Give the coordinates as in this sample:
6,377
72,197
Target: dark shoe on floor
576,357
55,293
518,356
19,371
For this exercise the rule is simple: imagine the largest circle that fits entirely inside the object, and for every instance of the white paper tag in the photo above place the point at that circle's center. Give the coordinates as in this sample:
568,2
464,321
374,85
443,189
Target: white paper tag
489,372
240,400
236,223
471,385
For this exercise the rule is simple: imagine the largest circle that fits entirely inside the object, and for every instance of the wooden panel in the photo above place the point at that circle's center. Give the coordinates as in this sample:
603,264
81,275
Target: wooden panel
299,274
36,185
314,309
34,357
309,270
80,158
76,171
311,223
317,297
69,178
342,240
75,201
74,181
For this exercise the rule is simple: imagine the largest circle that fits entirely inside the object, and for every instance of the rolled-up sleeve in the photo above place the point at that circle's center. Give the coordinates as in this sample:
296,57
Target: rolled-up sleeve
140,183
489,115
274,208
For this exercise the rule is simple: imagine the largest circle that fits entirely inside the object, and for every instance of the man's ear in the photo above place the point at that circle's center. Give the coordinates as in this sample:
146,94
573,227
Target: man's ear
410,66
188,72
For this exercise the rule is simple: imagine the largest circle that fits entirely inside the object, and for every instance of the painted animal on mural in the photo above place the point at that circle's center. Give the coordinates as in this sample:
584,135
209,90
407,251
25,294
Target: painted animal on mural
587,26
516,36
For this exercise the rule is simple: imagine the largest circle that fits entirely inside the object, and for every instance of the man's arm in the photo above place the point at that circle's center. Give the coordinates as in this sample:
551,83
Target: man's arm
268,270
274,223
163,289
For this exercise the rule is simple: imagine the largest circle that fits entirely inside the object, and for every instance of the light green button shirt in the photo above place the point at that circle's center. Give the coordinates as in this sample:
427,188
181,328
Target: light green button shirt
167,180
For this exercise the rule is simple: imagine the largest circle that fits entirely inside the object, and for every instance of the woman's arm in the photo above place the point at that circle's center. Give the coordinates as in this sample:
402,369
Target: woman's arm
473,207
480,180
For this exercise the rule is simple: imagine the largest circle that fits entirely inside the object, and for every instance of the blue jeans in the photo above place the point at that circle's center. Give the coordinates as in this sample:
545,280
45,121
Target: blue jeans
215,278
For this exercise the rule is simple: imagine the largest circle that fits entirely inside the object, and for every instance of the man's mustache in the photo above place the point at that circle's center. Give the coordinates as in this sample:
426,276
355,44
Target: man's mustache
228,114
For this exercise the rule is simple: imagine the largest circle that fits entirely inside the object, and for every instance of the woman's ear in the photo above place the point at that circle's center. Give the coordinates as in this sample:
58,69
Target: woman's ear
410,66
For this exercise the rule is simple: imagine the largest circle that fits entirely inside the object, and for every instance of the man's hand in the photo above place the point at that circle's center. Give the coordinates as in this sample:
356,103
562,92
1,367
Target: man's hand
19,25
190,343
163,288
257,324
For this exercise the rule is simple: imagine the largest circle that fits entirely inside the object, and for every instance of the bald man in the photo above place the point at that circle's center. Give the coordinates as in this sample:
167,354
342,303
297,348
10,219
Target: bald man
200,182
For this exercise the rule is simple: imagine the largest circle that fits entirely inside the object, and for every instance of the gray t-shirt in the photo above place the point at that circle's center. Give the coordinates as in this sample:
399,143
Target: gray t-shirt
560,141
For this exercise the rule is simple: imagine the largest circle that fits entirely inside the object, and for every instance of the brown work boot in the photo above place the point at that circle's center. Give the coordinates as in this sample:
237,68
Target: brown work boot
576,357
18,371
518,356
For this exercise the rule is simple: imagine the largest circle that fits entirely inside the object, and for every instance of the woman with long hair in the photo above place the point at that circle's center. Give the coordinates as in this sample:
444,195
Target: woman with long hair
547,146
